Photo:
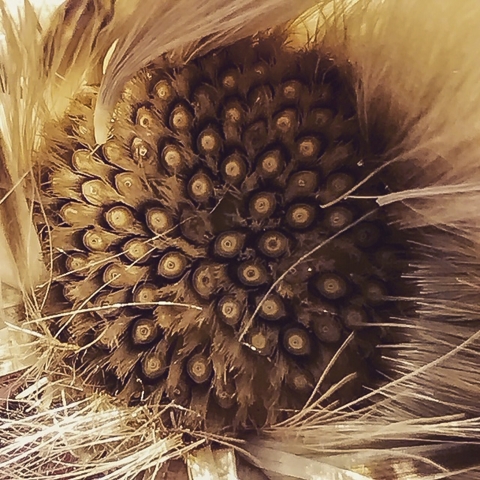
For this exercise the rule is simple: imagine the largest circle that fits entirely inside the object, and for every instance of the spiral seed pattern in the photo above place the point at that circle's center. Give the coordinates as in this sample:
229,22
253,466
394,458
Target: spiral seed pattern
198,232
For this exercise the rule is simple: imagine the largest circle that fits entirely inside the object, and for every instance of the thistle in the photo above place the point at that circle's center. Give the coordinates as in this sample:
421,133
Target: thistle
216,214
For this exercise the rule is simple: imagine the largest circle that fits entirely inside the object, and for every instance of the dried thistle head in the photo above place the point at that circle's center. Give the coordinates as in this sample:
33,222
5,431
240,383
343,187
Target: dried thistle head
249,232
214,222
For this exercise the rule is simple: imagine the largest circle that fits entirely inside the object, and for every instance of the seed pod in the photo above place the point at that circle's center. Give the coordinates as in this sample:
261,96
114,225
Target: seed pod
301,184
153,365
337,218
209,142
230,309
158,220
77,264
260,72
87,163
229,80
99,193
300,216
200,188
273,244
229,244
141,151
286,122
262,340
272,308
262,205
118,275
146,119
121,219
233,113
354,317
234,169
137,250
164,91
331,286
80,215
339,183
144,331
172,265
204,280
297,341
271,164
99,240
199,368
130,186
181,119
172,158
326,328
309,148
291,90
147,294
252,273
366,235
